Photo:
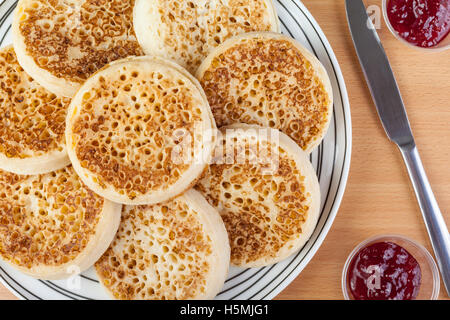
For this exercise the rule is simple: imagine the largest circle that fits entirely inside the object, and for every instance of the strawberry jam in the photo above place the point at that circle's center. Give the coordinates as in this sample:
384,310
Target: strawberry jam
384,271
424,23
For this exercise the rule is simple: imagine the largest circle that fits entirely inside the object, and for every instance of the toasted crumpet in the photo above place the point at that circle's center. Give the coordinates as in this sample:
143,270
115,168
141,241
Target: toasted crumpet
60,43
269,79
32,122
140,131
187,31
51,225
177,250
266,191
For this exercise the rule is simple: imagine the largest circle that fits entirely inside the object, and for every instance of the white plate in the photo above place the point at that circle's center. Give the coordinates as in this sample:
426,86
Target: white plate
331,160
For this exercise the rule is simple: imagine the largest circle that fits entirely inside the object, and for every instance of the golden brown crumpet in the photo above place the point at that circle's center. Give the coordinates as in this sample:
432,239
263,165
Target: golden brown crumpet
269,199
177,250
270,80
51,225
140,131
187,31
60,43
32,121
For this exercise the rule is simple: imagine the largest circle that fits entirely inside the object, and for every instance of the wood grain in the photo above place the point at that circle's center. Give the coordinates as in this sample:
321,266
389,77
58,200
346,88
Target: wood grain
379,198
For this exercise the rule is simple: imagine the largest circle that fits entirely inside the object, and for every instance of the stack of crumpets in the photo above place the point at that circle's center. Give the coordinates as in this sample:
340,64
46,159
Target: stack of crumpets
156,141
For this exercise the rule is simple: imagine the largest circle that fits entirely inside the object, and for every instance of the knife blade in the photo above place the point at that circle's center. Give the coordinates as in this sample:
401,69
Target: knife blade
379,75
391,110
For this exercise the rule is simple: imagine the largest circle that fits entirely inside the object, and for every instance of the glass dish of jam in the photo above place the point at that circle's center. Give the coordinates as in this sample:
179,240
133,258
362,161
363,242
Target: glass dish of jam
421,24
390,267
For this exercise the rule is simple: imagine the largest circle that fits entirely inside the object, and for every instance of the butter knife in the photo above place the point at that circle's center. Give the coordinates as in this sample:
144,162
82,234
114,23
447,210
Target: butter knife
391,110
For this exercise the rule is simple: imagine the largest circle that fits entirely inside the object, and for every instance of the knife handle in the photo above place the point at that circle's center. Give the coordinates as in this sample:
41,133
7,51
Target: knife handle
435,223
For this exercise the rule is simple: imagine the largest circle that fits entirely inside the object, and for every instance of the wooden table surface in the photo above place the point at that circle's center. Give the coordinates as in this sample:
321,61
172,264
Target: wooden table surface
378,198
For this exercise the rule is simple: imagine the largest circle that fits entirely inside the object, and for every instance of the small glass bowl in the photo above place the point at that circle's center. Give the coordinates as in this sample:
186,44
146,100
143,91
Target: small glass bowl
442,46
430,282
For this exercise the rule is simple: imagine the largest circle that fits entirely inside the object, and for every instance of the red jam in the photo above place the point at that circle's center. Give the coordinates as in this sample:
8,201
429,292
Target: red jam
384,271
424,23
